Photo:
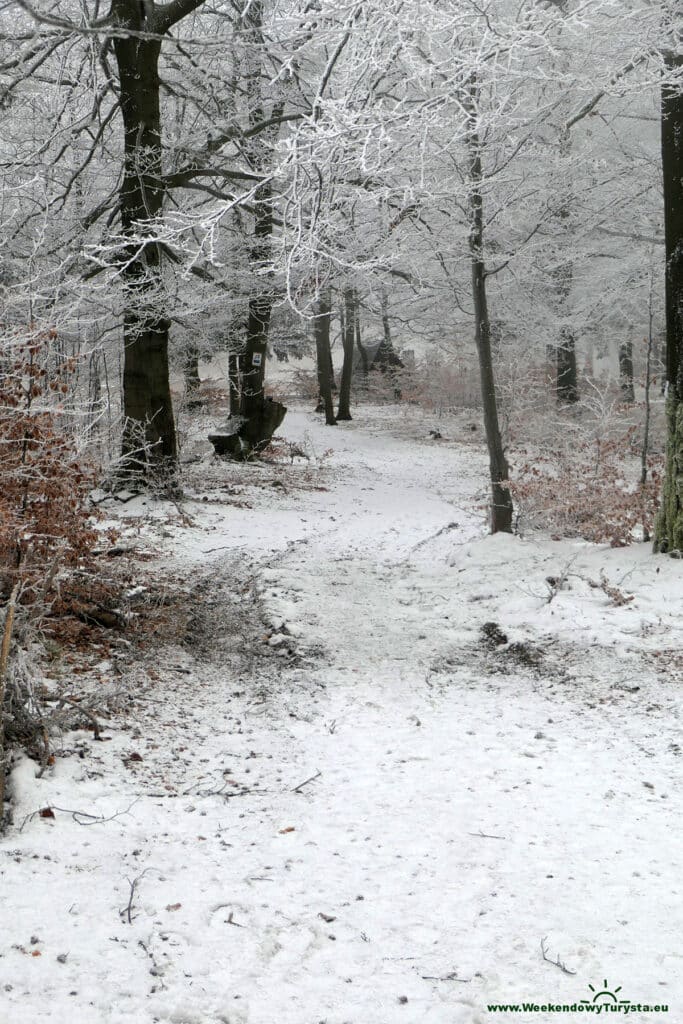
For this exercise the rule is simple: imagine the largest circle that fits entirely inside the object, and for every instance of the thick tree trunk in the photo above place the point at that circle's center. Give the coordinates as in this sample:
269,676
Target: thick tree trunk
501,499
669,525
260,309
567,378
149,439
626,372
348,333
323,315
386,357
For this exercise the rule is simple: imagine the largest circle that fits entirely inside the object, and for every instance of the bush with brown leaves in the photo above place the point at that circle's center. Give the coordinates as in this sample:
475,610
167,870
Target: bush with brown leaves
590,488
44,477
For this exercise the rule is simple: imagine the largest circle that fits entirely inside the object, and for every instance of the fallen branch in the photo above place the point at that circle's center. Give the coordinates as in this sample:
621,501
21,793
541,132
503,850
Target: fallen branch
86,714
297,789
557,963
78,816
485,835
446,977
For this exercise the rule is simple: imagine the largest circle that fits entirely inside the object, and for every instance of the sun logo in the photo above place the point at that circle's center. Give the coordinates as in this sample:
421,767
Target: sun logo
606,995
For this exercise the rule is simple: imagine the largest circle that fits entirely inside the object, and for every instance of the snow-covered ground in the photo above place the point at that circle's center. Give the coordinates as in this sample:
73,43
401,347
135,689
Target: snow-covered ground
444,749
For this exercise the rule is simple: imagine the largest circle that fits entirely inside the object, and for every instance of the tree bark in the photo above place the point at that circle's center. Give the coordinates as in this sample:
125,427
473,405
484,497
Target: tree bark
191,372
149,437
386,357
567,377
501,499
323,315
234,382
669,524
348,333
364,362
626,372
253,405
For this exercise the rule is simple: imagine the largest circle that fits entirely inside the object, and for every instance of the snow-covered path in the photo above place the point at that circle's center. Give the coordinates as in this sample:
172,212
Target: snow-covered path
473,797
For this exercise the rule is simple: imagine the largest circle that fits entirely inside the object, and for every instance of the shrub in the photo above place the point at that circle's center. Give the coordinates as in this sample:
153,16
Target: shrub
589,488
45,479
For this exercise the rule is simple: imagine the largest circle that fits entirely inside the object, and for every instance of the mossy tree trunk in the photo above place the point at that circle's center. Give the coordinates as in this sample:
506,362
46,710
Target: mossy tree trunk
669,525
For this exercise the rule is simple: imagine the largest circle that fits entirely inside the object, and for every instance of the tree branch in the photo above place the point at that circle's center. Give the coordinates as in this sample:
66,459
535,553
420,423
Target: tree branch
169,14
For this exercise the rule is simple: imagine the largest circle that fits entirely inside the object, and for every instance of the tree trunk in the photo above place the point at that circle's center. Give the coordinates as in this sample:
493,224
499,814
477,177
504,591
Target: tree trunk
364,362
501,499
626,372
386,357
149,438
254,407
191,374
669,525
323,315
234,382
348,332
567,376
567,379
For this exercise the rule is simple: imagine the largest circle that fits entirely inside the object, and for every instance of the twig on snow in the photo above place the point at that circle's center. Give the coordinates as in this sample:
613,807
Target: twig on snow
485,835
127,912
446,977
297,789
78,816
557,963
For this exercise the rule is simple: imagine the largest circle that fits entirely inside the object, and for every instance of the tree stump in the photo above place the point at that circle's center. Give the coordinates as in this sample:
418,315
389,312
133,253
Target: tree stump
239,438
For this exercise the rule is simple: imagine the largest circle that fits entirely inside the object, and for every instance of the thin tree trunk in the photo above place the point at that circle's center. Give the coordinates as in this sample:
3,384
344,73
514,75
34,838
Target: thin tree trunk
348,331
149,439
646,426
261,415
501,499
234,382
323,316
669,525
191,371
364,361
567,376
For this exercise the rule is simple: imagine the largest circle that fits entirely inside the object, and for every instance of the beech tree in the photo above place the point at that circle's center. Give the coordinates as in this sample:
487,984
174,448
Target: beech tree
137,31
167,202
669,526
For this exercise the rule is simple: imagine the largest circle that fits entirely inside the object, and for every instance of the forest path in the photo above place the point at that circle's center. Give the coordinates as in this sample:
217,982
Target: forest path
378,814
